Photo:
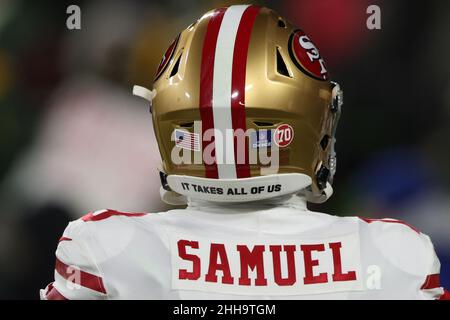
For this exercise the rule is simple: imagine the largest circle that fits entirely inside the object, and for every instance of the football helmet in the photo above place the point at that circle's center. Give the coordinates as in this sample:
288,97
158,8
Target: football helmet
243,109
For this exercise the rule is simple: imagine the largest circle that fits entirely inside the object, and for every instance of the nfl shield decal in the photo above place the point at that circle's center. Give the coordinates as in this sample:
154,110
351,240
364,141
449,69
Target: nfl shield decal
306,56
261,139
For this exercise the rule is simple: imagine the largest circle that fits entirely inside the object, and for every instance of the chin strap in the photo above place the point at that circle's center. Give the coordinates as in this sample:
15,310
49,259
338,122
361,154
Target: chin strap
327,192
325,174
145,94
336,107
169,196
172,198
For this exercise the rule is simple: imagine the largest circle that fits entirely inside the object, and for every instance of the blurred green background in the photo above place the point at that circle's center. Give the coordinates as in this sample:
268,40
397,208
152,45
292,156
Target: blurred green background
74,139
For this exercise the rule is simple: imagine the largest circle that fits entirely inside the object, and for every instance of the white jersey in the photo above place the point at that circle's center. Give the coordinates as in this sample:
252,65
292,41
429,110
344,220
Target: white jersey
242,251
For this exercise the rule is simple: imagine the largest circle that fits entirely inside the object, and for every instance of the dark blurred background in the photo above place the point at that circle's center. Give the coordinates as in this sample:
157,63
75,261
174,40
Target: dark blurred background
74,139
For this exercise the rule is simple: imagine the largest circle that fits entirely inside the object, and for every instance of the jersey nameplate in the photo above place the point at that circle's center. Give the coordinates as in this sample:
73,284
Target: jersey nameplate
269,267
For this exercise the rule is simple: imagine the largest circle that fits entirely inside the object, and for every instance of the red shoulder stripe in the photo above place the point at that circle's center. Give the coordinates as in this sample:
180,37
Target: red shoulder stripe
432,281
64,239
445,296
77,276
92,216
53,294
390,221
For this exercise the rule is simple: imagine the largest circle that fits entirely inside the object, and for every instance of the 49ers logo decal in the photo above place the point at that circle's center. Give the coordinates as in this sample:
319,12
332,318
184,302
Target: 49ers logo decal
166,58
306,56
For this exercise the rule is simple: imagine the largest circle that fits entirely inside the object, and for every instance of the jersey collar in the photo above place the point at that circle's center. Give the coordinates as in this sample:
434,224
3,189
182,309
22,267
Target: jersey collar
297,201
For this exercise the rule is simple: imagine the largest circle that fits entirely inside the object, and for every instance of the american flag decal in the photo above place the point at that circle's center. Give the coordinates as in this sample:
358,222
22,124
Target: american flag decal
187,140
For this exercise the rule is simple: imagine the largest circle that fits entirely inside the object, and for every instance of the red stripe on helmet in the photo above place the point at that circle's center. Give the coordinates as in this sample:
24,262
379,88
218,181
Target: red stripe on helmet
206,82
238,87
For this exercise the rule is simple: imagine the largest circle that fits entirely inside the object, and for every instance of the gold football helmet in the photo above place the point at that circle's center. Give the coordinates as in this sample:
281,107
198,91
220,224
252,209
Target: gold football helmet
243,109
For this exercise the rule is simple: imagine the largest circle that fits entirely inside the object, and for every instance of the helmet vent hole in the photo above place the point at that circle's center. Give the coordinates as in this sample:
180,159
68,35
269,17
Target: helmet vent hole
186,125
281,65
324,141
263,124
322,177
191,26
281,23
175,67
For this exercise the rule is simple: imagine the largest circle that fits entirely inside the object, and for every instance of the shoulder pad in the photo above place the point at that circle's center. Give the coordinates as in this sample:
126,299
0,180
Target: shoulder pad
401,244
389,220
